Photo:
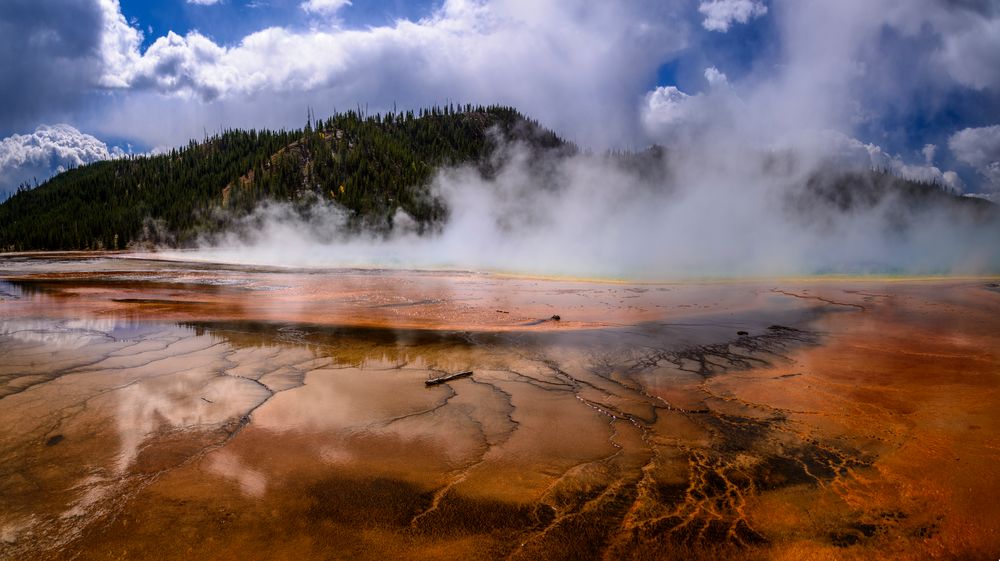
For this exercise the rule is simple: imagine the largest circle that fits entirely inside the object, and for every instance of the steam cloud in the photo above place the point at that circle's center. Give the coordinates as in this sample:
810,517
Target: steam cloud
709,211
732,197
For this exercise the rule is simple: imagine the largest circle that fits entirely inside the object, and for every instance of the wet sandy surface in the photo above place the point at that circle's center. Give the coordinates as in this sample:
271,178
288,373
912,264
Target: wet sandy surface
172,411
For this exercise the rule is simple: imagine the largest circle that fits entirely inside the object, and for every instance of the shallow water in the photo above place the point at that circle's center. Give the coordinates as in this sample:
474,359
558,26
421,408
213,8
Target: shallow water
170,410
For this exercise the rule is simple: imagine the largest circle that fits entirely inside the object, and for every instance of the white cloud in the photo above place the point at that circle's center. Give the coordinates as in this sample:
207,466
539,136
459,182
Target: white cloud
552,60
666,106
928,174
186,65
570,63
50,59
970,50
852,153
980,148
549,58
204,2
324,7
715,78
49,150
848,63
62,145
953,180
945,43
119,46
721,14
672,117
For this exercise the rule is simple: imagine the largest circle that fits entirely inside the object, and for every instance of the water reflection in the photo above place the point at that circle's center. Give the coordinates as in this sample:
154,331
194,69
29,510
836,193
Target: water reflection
9,291
58,334
193,399
777,426
251,482
73,333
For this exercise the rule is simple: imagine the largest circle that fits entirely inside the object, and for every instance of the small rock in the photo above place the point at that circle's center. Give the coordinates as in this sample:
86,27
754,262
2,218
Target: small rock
555,318
742,333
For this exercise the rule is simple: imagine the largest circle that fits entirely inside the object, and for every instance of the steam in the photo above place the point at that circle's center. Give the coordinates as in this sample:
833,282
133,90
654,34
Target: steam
746,186
714,209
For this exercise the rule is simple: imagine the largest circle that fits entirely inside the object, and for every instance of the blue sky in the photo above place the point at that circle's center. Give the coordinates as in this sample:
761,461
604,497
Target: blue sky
886,78
228,21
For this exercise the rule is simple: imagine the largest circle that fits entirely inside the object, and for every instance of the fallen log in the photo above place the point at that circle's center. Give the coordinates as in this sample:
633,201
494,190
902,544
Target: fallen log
449,377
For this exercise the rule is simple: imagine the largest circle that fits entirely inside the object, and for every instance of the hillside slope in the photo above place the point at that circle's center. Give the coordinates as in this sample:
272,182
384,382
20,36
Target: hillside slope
371,165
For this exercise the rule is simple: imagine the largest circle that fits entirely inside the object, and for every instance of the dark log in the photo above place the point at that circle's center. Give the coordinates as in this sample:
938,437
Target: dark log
449,377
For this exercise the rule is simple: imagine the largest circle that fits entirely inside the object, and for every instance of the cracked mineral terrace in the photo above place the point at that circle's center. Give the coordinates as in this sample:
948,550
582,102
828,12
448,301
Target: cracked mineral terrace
157,410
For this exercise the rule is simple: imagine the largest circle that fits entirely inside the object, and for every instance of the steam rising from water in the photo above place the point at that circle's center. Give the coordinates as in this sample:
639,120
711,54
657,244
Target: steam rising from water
731,198
711,209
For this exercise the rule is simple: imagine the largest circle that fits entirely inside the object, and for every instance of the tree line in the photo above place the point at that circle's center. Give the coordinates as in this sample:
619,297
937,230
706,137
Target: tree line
372,165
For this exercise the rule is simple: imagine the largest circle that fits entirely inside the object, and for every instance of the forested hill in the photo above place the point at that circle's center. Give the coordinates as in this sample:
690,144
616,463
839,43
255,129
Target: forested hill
369,164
